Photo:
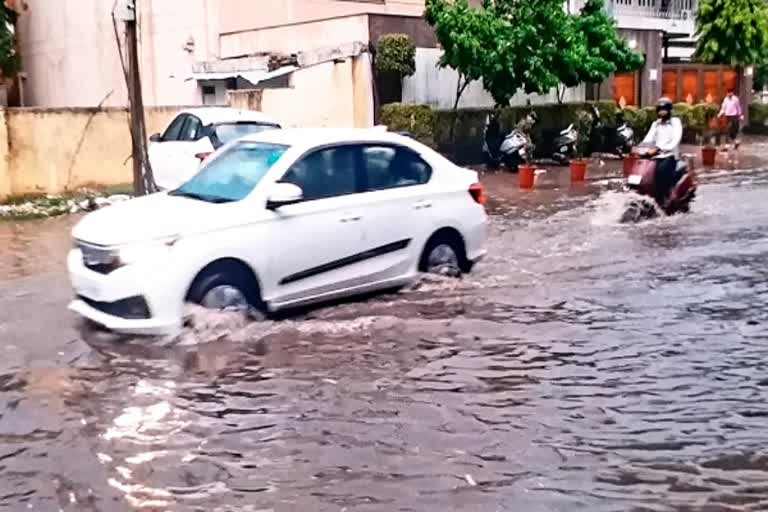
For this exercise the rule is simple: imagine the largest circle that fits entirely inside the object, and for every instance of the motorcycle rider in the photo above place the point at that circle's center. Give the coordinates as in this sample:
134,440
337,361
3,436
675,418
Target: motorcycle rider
665,135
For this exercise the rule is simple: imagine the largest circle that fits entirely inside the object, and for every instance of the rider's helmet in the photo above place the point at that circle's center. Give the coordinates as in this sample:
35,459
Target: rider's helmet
664,108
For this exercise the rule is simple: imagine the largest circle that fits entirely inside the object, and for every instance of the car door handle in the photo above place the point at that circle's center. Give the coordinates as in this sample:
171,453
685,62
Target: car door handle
421,205
350,219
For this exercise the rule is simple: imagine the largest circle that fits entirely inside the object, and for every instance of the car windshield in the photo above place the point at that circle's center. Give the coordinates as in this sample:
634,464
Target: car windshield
233,174
228,132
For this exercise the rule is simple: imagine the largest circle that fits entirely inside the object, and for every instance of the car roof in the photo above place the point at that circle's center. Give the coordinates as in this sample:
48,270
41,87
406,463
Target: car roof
308,138
217,115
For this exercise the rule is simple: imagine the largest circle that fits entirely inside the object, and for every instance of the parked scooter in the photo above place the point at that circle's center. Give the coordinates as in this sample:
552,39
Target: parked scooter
641,180
560,146
613,140
509,150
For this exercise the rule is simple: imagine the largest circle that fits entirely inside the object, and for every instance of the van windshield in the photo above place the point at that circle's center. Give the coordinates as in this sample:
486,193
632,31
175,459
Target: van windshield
232,174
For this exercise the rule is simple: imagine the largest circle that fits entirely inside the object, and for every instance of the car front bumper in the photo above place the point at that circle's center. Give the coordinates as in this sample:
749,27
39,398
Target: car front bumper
136,299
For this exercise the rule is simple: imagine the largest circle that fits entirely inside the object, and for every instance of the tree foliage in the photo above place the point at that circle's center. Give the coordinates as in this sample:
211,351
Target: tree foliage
463,33
518,45
539,49
732,32
606,51
396,55
9,58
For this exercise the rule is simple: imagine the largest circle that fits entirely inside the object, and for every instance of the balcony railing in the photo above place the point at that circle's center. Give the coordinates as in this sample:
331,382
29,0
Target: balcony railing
663,9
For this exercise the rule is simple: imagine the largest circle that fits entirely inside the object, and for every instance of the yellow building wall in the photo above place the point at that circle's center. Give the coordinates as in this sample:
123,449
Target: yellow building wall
55,150
5,170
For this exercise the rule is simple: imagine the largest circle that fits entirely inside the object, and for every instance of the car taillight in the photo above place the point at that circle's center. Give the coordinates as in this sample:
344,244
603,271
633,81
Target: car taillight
477,191
202,156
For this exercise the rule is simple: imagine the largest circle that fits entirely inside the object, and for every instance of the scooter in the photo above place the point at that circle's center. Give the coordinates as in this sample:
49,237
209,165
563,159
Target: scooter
509,150
641,180
613,140
562,145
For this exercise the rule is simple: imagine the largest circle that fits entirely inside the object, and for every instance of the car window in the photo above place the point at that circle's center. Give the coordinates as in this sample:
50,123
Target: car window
227,132
173,132
232,174
387,167
325,173
192,129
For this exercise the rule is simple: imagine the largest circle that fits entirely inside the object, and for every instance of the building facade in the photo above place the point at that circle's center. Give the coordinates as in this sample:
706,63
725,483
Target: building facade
308,56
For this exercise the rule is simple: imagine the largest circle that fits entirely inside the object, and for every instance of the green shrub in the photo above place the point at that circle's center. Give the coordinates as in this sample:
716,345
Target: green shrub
417,119
639,120
608,110
758,115
650,114
700,117
683,111
396,55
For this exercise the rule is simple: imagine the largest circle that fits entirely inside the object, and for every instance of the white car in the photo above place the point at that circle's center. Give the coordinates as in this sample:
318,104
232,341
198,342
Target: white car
176,154
279,219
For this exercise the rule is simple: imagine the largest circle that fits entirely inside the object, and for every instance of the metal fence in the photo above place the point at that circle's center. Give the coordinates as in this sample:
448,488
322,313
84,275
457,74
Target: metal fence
664,9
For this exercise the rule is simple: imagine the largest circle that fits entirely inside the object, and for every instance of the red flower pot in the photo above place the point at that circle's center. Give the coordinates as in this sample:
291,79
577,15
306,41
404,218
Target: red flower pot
708,155
526,175
578,171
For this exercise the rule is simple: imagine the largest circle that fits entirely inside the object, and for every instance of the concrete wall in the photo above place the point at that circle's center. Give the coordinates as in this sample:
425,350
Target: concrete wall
70,55
47,150
436,86
298,37
326,95
240,15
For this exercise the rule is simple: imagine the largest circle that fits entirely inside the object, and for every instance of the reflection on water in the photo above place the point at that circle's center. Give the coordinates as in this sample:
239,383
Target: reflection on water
584,366
29,248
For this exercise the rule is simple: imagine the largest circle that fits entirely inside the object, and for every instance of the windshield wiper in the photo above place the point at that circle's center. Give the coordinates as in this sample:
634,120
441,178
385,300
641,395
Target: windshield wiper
200,197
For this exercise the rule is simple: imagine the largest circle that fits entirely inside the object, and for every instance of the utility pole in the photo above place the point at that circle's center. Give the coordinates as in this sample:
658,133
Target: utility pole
143,181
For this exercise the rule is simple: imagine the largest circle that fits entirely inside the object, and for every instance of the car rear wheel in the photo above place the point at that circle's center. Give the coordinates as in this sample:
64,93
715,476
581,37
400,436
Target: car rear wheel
444,255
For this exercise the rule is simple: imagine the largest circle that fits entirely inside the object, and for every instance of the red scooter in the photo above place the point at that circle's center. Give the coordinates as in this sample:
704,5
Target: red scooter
642,179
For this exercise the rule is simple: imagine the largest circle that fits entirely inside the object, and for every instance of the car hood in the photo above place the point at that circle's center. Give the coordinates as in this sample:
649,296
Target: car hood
149,218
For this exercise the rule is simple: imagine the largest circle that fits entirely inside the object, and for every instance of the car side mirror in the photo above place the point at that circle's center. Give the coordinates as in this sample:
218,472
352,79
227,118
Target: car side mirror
155,137
284,194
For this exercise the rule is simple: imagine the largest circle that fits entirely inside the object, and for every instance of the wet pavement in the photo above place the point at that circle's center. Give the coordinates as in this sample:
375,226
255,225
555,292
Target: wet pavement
585,365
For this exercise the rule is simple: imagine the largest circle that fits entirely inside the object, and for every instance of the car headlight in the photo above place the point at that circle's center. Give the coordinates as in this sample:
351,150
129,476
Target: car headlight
143,251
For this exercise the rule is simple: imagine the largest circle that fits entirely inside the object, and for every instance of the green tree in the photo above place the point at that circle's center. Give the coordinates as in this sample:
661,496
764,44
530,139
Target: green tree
463,33
537,48
732,32
9,59
606,51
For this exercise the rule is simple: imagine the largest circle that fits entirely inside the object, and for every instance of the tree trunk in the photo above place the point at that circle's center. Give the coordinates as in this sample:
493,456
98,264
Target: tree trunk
461,86
143,180
561,89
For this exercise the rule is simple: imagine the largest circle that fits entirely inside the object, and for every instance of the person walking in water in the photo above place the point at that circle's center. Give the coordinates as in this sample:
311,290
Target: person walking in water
731,110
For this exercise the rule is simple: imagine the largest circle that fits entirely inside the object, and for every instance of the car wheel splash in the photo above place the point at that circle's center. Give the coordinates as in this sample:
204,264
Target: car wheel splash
225,297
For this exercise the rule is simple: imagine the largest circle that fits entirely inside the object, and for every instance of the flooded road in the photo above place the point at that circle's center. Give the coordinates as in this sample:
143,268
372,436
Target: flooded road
584,366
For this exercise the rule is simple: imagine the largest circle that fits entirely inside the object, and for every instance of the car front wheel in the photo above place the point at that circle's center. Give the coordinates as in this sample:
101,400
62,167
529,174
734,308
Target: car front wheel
227,290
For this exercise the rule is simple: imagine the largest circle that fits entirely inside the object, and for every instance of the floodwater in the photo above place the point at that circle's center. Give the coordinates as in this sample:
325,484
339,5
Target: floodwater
585,365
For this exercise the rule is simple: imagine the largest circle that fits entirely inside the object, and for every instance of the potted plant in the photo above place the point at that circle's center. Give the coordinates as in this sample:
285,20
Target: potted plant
578,165
709,142
525,172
